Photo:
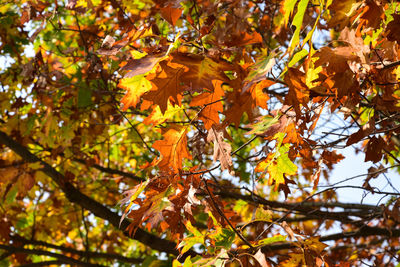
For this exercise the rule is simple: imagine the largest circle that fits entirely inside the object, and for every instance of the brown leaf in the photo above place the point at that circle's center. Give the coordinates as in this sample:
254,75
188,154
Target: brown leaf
345,83
241,103
222,150
342,12
360,134
244,38
331,157
317,174
110,47
25,16
374,149
356,45
191,196
288,230
373,173
372,14
142,65
260,257
393,29
108,42
336,59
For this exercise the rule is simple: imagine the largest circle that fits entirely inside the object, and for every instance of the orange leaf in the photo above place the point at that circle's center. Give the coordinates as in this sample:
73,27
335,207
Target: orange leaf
243,38
171,14
166,85
201,70
209,115
246,101
260,98
298,90
173,148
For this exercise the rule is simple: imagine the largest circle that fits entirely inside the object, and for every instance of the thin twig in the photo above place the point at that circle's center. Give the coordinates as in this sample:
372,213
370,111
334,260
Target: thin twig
226,219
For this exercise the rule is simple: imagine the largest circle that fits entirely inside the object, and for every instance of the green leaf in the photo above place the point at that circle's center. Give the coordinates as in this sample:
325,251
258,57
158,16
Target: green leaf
262,66
148,261
297,57
12,194
195,238
270,240
288,7
263,215
263,125
281,165
225,238
84,97
297,22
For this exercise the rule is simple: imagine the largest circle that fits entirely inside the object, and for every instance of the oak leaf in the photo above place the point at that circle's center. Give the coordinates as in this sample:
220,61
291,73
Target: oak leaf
335,60
171,13
259,71
278,165
111,47
211,105
392,29
298,90
222,150
173,148
200,71
247,102
141,65
166,85
243,38
373,151
136,86
157,117
342,11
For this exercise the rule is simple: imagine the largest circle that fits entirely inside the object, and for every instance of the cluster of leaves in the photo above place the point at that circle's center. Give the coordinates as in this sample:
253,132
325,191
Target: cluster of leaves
206,121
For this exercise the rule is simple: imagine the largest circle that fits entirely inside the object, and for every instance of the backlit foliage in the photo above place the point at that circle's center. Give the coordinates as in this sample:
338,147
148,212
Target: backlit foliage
203,129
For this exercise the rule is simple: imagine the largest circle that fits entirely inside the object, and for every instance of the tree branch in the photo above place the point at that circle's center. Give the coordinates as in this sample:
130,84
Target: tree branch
304,206
364,231
42,263
101,211
62,258
112,171
77,252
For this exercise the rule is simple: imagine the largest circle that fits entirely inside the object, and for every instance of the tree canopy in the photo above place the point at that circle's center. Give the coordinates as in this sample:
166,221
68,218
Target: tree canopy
198,132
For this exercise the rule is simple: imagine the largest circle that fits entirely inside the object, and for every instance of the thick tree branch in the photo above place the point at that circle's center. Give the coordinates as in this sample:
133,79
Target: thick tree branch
111,171
77,252
62,258
77,197
42,263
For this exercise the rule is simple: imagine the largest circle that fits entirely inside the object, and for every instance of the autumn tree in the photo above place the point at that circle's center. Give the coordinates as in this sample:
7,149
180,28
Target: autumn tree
198,132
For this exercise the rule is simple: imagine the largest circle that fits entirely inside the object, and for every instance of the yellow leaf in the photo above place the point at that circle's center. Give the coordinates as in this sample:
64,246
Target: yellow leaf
136,86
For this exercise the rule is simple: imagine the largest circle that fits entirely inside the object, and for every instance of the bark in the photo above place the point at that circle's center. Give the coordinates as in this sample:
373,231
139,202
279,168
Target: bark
99,210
